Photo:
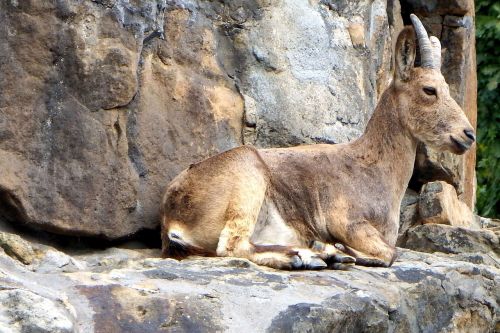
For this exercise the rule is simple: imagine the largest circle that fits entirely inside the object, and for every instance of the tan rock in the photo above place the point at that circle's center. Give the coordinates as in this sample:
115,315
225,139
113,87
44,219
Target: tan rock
439,204
18,248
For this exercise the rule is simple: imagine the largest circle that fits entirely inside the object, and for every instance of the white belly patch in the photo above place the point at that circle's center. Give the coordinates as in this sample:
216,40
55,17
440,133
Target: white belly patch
271,228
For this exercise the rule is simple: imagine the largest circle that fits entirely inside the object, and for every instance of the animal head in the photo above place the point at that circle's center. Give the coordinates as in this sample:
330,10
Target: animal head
427,110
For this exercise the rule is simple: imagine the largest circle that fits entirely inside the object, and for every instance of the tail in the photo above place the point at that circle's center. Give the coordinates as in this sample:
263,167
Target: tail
174,246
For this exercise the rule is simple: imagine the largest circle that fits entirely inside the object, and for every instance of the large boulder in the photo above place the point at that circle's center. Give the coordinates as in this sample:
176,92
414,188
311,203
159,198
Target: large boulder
102,103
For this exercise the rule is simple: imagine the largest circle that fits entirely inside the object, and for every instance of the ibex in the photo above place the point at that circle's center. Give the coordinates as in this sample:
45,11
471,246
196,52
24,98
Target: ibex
306,206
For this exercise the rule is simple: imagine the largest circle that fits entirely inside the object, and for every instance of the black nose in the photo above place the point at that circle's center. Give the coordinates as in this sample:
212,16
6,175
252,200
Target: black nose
470,134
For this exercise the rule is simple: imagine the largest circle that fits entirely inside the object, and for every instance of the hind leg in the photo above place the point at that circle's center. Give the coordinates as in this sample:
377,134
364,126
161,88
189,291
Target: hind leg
240,219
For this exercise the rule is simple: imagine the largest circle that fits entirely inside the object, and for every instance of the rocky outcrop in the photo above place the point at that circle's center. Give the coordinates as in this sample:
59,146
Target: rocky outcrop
448,239
99,112
437,203
104,102
125,290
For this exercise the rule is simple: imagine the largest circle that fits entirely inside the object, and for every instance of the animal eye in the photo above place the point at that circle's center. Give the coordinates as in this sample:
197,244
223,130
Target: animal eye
430,91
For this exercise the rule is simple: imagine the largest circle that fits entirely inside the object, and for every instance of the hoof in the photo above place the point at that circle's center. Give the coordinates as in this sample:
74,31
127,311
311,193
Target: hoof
316,263
343,259
317,246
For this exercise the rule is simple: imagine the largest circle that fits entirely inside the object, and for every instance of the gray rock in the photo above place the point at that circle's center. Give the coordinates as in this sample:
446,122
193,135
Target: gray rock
448,239
408,216
421,292
118,96
53,261
25,311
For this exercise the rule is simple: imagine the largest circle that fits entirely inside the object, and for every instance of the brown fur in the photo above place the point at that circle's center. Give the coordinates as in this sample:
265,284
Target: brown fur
348,193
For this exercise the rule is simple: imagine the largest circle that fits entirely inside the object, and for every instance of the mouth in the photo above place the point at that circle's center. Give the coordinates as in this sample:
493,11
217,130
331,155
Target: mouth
460,147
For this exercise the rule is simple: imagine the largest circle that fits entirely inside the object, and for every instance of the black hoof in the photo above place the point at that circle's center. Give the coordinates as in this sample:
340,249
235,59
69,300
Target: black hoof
344,259
316,263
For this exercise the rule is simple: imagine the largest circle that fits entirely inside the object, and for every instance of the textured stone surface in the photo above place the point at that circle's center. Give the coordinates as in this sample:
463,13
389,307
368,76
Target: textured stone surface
438,203
25,311
64,163
313,69
448,239
124,290
102,103
408,216
117,97
457,7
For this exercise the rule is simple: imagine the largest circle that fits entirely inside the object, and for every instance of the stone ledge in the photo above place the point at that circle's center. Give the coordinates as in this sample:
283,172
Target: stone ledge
123,290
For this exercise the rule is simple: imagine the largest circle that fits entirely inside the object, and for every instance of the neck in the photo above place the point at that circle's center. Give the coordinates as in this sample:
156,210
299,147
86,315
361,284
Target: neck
387,145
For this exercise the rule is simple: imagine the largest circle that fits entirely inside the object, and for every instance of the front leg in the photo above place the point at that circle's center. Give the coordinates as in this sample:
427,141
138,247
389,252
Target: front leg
368,246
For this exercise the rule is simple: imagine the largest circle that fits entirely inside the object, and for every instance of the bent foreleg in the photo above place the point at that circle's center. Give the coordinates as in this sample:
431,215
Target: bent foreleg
368,246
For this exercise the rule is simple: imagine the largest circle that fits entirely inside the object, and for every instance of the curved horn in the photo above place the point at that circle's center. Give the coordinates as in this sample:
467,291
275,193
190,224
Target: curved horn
426,54
436,51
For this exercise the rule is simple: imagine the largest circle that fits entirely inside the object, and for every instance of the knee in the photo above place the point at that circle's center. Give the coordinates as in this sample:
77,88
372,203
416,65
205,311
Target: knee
388,256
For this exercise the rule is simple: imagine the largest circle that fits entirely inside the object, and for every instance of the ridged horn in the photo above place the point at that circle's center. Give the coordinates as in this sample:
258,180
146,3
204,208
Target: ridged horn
425,46
436,51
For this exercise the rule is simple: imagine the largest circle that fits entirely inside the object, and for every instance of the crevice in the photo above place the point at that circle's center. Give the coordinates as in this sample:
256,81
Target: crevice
134,153
151,37
144,238
11,208
14,219
104,3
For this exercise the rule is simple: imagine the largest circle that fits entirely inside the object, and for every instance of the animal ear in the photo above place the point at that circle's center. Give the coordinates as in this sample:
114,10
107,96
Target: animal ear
405,54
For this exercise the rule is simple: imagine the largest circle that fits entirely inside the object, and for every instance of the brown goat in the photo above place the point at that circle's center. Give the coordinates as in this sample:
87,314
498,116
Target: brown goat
303,206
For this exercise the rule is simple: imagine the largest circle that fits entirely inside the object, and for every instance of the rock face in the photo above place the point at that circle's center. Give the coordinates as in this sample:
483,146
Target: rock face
102,103
124,290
